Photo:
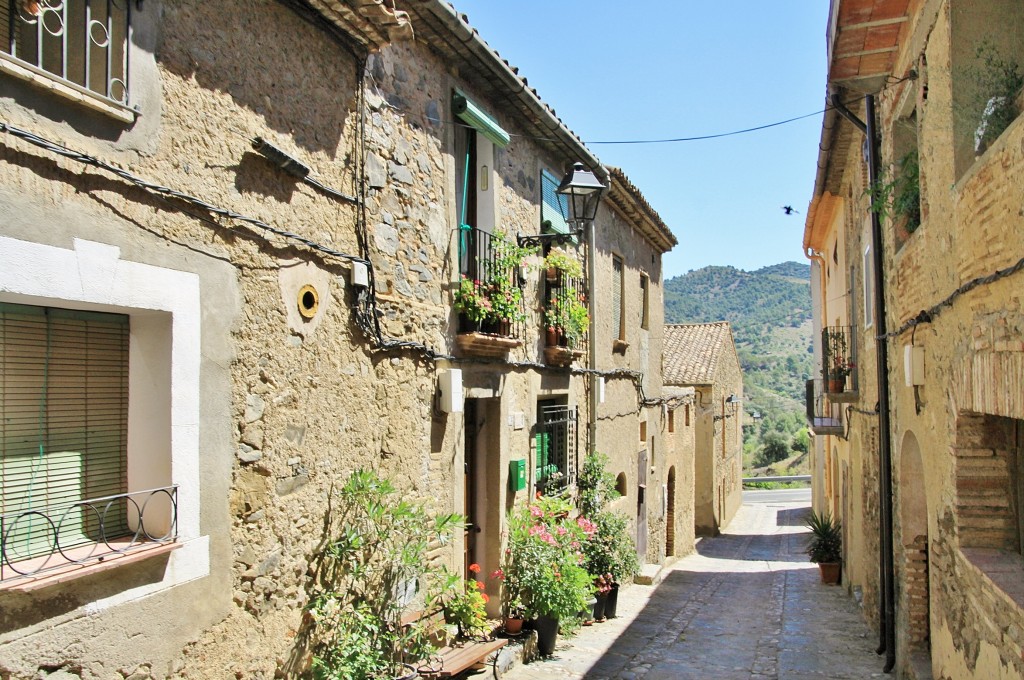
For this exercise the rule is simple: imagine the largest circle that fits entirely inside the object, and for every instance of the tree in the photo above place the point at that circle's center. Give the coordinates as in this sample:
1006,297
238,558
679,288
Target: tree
776,448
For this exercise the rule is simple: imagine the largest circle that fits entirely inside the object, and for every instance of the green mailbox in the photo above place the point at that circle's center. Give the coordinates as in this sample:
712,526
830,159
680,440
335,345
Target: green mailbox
517,475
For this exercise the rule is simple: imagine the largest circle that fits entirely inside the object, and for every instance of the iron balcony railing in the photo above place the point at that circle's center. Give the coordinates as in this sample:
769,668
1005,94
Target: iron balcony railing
82,43
43,539
839,359
566,315
491,266
823,415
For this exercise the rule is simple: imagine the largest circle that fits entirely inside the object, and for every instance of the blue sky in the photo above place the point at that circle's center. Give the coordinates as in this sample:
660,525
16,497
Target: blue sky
679,68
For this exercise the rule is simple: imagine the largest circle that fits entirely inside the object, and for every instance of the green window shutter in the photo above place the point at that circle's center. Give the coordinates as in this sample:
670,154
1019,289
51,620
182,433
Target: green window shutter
543,441
63,425
554,207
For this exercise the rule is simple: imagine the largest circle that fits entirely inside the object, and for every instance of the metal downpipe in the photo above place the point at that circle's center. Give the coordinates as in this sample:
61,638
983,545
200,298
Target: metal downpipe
886,557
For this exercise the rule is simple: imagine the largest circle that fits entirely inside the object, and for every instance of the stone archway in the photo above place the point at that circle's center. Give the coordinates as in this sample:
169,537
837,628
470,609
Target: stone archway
913,518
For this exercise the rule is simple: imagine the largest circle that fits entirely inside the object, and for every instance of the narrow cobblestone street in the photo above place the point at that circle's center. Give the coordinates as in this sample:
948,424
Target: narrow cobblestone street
748,604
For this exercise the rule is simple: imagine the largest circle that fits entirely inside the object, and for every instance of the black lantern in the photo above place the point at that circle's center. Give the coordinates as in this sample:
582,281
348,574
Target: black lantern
583,190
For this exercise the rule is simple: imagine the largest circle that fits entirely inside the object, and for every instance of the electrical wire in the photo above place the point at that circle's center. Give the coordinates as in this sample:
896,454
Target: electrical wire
928,315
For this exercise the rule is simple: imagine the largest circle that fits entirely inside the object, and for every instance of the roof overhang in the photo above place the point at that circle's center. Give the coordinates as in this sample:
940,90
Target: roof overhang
625,198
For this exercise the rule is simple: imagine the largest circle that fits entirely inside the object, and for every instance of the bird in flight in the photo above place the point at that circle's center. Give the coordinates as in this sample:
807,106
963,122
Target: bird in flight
789,210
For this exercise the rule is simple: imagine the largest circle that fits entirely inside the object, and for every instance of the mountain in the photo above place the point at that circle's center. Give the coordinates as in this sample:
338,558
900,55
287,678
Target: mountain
770,313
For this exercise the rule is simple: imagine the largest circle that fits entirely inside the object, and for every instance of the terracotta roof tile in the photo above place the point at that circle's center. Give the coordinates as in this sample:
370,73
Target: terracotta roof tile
692,352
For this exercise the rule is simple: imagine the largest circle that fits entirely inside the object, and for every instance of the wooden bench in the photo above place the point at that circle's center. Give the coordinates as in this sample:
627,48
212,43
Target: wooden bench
460,656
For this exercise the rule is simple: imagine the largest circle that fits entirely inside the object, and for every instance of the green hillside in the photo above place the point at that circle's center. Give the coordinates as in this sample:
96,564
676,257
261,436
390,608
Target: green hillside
770,313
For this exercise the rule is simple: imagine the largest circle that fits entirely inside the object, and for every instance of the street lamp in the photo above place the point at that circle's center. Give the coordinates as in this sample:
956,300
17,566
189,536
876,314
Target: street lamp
583,189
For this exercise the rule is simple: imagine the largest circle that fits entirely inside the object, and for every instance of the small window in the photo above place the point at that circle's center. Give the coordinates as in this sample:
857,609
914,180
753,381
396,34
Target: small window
645,287
81,44
555,441
686,415
671,421
618,301
643,432
620,484
869,288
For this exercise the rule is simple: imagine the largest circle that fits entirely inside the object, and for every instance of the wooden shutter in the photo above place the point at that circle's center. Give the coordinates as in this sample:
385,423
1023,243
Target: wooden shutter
617,283
63,426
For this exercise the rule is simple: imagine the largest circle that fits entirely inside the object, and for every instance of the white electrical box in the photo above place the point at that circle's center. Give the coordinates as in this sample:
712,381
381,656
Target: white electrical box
360,275
450,383
913,365
600,390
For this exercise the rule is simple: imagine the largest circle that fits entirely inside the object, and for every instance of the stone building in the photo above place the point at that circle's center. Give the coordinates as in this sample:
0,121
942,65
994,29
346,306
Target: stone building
703,357
259,227
921,460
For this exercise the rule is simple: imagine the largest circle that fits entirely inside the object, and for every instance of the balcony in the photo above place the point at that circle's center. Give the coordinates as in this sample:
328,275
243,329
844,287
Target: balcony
490,295
824,416
50,543
839,363
566,320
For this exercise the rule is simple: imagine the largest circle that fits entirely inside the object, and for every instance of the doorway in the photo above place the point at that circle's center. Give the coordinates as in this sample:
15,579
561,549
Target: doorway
670,515
641,507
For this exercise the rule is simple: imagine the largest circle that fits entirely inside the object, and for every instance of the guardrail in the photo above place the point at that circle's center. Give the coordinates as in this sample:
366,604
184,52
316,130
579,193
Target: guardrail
791,478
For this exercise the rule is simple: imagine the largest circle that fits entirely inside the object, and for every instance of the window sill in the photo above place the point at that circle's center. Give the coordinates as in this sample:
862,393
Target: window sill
40,78
72,571
1003,568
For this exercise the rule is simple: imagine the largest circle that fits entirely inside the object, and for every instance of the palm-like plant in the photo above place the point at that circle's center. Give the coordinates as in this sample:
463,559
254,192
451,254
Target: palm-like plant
826,541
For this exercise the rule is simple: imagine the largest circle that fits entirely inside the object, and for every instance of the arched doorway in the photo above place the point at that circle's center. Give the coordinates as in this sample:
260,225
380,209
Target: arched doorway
913,516
670,518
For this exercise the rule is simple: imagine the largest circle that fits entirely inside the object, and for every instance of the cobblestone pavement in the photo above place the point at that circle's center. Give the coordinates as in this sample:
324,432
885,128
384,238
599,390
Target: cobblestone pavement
747,605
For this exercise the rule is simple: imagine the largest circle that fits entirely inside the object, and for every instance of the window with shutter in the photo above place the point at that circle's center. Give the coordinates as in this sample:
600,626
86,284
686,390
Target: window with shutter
554,208
618,317
63,427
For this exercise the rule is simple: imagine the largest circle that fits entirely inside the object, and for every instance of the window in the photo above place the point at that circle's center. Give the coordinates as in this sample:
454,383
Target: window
93,437
671,421
645,287
554,208
80,44
555,441
618,307
686,415
869,288
643,432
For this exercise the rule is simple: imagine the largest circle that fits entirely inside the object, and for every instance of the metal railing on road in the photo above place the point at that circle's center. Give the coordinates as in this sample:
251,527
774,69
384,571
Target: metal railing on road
790,478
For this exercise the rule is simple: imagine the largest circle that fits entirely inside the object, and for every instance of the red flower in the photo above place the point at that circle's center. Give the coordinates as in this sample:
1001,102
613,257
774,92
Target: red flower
479,585
474,568
485,596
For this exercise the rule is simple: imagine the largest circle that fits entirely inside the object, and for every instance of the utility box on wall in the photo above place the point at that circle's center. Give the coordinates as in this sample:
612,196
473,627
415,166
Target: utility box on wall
517,475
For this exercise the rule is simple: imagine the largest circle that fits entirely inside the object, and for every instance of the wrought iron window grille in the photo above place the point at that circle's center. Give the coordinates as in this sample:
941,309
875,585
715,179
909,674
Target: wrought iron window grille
40,540
81,43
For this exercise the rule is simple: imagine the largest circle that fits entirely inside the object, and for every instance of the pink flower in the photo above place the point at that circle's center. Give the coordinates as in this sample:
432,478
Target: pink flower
498,574
535,511
562,531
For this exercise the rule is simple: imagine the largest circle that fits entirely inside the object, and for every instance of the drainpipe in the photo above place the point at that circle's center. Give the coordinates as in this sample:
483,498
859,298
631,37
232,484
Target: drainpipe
592,304
885,445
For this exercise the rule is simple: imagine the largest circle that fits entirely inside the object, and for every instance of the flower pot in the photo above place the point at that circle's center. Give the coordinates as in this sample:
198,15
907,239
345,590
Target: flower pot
612,602
836,385
552,274
554,338
547,634
513,626
830,572
406,672
599,608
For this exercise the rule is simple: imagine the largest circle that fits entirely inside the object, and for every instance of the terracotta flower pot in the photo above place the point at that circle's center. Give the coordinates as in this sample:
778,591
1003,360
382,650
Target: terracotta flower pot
830,572
513,626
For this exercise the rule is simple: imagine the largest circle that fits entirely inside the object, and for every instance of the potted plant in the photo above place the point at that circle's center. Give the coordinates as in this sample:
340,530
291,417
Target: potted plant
837,363
566,317
542,566
610,554
825,545
559,261
462,602
494,302
377,549
472,300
